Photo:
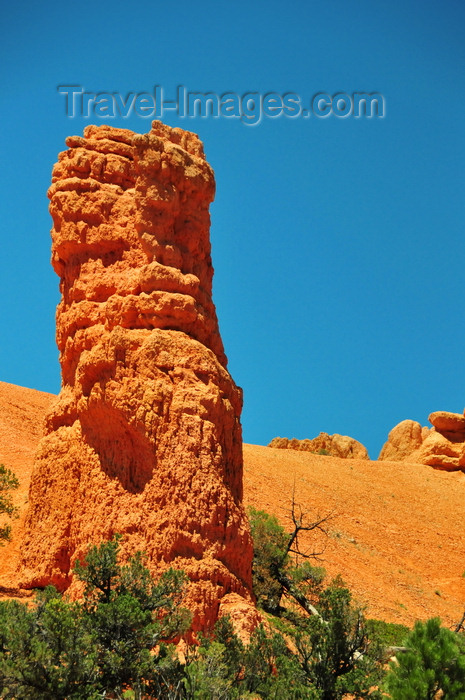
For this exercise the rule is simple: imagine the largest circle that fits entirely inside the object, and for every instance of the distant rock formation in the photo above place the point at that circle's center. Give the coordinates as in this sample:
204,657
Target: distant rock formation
334,445
145,436
442,446
403,440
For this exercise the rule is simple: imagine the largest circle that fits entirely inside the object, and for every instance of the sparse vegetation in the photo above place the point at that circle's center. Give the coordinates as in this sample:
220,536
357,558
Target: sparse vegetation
388,634
118,642
114,640
326,630
8,482
432,665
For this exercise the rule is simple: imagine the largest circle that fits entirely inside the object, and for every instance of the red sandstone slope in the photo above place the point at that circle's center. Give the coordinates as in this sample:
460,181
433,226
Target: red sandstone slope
22,413
397,538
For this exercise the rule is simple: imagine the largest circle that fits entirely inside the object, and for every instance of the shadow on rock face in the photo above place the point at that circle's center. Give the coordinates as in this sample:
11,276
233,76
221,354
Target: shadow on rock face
124,452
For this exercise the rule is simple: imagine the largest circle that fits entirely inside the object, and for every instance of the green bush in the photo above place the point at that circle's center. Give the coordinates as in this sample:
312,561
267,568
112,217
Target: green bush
48,651
334,649
8,482
270,542
223,667
115,640
433,665
388,634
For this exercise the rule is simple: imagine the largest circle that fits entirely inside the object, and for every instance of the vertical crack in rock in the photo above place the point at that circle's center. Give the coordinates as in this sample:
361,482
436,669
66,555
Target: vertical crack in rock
145,437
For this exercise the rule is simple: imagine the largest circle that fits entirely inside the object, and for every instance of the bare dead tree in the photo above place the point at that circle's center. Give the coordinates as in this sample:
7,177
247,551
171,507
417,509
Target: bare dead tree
302,523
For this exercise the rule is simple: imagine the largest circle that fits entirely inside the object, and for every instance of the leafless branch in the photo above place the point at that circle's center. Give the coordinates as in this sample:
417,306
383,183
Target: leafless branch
301,524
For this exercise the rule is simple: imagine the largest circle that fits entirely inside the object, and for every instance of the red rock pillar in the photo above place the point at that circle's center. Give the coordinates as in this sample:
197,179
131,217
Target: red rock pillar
145,437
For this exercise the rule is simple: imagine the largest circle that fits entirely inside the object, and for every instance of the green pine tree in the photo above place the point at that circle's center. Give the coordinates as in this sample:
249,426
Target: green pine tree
433,665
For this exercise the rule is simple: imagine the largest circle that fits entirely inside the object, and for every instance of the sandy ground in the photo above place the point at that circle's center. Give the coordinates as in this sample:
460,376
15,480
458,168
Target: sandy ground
396,532
22,414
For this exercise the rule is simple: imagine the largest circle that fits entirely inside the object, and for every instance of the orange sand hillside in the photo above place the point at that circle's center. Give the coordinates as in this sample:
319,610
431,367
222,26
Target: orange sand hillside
397,535
22,414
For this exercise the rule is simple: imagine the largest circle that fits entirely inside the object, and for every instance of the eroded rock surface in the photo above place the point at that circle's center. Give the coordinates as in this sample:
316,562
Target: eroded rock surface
145,436
406,437
442,446
447,422
334,445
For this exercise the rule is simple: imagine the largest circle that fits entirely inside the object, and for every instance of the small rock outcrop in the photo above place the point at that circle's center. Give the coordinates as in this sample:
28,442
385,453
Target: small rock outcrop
442,446
334,445
446,422
404,438
145,436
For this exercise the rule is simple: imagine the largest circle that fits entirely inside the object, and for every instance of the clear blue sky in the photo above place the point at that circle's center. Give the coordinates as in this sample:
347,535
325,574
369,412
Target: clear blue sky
338,244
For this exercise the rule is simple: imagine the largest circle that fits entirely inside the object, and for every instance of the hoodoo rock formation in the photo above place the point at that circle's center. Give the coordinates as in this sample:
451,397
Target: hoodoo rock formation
442,446
145,436
334,445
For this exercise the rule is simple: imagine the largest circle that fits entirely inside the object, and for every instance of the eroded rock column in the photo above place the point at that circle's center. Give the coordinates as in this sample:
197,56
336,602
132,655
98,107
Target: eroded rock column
145,437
